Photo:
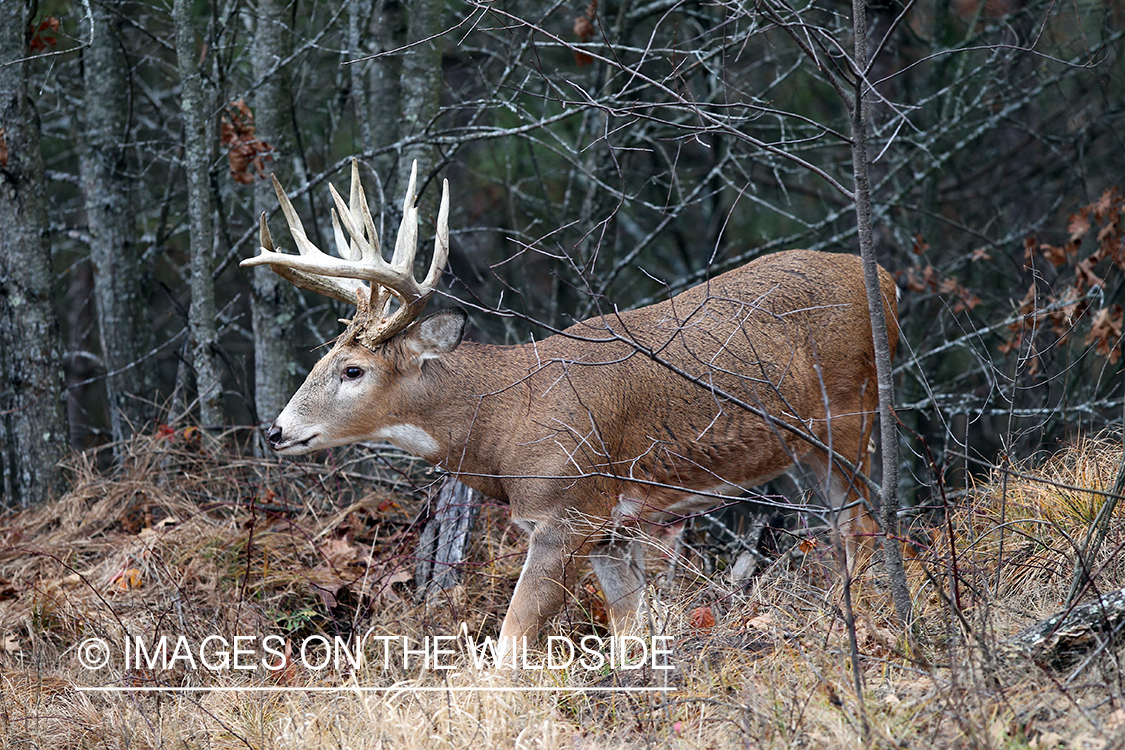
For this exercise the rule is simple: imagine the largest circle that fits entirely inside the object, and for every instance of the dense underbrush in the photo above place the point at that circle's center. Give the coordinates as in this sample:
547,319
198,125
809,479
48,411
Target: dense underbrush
189,544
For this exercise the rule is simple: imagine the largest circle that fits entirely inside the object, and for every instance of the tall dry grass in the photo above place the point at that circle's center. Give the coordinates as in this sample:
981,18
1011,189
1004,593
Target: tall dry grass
186,538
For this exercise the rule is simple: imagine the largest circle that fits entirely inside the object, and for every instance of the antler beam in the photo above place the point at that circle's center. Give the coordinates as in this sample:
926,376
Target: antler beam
360,259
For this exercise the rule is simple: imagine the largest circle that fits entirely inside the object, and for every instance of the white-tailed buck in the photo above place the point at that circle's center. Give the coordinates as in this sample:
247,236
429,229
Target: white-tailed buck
623,419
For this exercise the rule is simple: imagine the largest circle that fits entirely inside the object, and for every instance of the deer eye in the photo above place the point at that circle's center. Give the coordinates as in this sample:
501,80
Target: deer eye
353,373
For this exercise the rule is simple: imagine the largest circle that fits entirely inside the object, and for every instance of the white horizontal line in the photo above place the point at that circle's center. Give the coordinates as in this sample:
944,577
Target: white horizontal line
364,689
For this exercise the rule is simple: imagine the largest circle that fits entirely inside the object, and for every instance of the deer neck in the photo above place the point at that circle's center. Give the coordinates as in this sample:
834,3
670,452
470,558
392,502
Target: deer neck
472,392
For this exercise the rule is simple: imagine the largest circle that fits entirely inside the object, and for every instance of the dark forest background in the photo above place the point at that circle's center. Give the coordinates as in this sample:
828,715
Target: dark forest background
600,155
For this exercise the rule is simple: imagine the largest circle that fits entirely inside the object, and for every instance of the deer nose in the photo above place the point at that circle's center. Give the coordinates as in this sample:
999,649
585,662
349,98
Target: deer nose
274,435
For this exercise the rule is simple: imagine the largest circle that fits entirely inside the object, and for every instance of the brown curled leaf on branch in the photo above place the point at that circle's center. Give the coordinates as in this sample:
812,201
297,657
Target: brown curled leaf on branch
584,30
245,151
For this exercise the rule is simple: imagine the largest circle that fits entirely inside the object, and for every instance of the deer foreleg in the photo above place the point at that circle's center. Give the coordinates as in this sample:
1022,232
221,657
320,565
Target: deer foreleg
553,557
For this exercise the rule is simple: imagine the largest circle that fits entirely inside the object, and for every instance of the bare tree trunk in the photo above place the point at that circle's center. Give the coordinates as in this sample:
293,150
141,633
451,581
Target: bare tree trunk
888,434
122,320
199,142
272,301
81,367
33,429
381,100
359,19
421,91
453,510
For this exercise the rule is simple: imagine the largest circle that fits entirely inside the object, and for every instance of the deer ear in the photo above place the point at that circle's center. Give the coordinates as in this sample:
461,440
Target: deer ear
437,334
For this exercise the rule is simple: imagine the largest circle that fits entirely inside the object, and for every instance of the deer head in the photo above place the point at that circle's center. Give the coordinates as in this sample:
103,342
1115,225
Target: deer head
335,404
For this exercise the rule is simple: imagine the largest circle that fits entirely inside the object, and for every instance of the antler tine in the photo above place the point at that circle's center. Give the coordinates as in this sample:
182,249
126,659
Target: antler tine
265,241
357,220
358,248
441,241
358,204
296,228
343,247
406,244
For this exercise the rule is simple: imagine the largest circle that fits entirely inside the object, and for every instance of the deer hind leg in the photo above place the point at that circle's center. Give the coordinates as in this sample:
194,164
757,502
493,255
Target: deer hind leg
619,565
554,554
847,494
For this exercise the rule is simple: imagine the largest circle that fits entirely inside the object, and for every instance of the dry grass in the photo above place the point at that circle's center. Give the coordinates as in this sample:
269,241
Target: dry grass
184,539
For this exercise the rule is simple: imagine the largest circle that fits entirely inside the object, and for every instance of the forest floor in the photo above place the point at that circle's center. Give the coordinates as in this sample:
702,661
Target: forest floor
235,563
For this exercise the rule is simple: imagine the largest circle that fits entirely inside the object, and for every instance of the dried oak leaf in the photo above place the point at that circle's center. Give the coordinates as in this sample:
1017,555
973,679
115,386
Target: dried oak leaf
913,281
702,618
981,253
583,28
1063,318
127,578
1107,204
339,552
594,604
1086,278
1109,241
1012,344
1106,332
283,671
966,301
1056,255
1079,224
245,150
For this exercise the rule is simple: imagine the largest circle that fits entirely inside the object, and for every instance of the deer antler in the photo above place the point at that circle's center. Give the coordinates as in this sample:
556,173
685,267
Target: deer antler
361,260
